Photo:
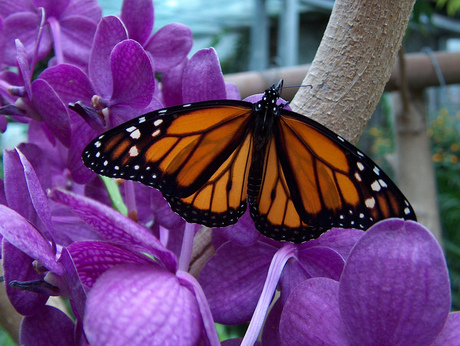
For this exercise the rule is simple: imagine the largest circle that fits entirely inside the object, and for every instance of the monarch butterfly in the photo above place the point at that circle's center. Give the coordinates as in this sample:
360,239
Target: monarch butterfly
211,159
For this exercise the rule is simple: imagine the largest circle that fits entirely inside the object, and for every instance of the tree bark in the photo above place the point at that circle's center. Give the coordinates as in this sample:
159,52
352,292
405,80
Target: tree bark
353,63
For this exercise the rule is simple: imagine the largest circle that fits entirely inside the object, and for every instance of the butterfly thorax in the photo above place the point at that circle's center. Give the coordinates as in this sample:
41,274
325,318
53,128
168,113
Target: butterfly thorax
265,113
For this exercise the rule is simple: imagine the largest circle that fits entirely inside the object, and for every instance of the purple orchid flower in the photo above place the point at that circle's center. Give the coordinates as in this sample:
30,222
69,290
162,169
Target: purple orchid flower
69,28
184,83
168,47
30,255
111,95
133,273
243,269
394,289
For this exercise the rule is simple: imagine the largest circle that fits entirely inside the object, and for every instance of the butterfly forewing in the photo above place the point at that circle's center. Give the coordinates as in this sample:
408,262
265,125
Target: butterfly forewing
176,150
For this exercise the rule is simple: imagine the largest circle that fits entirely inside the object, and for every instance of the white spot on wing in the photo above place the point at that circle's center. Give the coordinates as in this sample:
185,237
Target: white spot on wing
376,170
158,122
141,120
156,133
133,152
135,134
375,186
360,166
370,202
131,128
357,176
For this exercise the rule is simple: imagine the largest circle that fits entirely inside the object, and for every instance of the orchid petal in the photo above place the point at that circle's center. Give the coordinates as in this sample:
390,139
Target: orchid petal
170,45
137,15
316,299
233,280
110,31
151,306
133,89
395,286
203,66
18,266
50,326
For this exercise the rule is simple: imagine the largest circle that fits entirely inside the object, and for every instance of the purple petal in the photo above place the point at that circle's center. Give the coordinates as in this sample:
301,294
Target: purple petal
172,85
110,31
82,134
74,284
170,45
37,195
23,65
321,261
77,34
70,83
270,334
243,232
129,88
450,335
89,9
187,280
92,258
163,213
28,239
16,191
50,326
2,192
151,308
137,15
24,26
115,227
232,91
52,8
311,315
257,97
121,113
395,286
8,7
338,239
240,271
45,98
203,79
18,266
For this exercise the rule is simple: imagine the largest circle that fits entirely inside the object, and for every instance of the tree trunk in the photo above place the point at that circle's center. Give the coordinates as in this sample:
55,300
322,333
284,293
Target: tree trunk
353,63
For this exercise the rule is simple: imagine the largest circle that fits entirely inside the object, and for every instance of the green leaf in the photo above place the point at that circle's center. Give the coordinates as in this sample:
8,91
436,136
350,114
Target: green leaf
114,194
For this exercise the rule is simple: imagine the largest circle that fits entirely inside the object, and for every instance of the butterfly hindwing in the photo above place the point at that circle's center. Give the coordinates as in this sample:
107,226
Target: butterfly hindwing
222,199
273,211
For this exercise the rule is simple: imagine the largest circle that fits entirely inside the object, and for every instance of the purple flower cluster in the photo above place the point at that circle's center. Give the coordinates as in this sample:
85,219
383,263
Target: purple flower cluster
123,262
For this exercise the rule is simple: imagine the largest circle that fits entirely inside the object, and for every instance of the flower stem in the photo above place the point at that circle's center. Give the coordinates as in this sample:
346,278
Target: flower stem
271,282
187,247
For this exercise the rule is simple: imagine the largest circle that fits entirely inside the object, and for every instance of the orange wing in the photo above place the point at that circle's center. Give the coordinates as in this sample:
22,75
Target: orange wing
332,183
198,156
274,212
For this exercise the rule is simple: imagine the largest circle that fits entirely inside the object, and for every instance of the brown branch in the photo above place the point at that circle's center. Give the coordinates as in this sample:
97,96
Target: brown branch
353,64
